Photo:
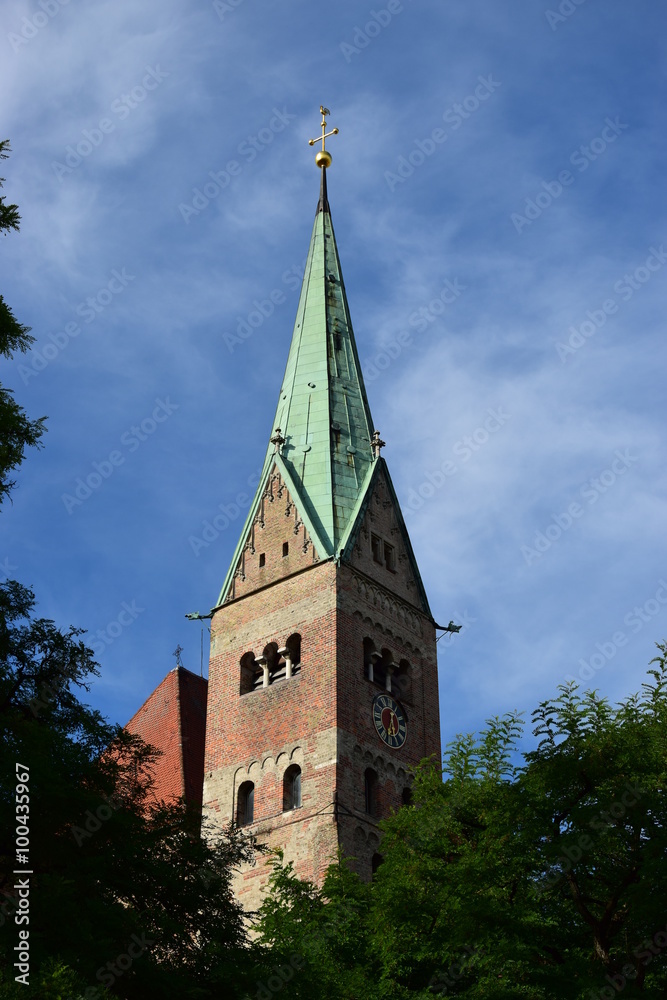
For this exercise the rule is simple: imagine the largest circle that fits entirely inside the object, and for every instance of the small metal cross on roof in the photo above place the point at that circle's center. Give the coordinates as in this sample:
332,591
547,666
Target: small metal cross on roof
323,158
376,444
177,653
277,440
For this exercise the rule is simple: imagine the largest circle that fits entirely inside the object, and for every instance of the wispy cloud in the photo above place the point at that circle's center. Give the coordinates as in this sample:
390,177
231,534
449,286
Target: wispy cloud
493,348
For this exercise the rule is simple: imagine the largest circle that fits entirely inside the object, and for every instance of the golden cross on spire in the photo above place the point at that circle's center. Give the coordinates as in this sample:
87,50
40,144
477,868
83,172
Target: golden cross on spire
323,158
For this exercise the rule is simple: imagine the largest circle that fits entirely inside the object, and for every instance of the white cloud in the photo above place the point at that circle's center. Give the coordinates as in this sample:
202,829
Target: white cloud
493,346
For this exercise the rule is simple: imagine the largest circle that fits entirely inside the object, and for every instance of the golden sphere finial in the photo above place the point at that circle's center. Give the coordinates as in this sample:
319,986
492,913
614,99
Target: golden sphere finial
323,158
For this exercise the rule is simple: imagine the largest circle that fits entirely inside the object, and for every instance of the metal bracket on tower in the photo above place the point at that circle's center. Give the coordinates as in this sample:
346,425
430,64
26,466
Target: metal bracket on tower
448,628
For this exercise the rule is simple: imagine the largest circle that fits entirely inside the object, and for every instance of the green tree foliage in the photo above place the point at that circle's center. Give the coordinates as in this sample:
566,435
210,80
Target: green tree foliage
114,880
318,943
539,876
126,898
16,431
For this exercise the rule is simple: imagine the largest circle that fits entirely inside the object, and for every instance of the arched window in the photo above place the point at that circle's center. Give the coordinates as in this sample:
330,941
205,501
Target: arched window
407,796
251,673
376,665
245,808
292,788
270,654
293,645
369,660
279,671
401,681
273,665
289,662
370,792
384,669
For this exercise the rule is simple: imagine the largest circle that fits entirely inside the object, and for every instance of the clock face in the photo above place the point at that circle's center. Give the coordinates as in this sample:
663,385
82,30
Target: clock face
390,721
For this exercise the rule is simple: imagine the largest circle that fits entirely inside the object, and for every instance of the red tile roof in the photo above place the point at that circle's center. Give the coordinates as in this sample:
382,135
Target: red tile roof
173,719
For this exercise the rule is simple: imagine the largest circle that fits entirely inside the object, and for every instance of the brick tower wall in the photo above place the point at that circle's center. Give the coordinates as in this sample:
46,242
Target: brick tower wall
378,600
367,611
256,736
320,719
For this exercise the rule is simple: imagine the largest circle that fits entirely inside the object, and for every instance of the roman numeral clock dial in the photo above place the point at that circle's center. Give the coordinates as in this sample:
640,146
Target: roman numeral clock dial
390,721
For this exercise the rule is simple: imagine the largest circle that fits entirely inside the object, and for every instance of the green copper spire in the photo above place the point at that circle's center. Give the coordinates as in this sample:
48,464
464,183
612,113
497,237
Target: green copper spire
323,431
322,411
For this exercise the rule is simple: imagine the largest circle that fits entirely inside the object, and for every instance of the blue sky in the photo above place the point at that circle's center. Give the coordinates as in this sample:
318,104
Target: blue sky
497,192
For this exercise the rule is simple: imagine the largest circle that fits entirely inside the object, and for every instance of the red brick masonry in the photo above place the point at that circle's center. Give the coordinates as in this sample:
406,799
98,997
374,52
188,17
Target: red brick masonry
173,719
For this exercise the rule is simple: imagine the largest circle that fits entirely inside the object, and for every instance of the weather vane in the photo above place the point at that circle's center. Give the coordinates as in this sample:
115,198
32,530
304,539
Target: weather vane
323,158
177,653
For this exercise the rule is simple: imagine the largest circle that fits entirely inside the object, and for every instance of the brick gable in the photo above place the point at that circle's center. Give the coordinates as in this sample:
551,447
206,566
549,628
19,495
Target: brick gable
381,526
277,524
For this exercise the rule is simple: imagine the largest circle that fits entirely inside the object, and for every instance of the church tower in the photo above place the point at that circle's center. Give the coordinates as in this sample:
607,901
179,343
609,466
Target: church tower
323,689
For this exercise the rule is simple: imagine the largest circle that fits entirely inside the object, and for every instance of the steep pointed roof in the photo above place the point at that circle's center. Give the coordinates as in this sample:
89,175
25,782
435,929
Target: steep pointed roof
173,719
325,422
322,411
323,451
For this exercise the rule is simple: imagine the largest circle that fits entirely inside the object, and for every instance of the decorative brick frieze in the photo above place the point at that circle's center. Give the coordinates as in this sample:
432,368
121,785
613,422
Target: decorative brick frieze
276,522
379,597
